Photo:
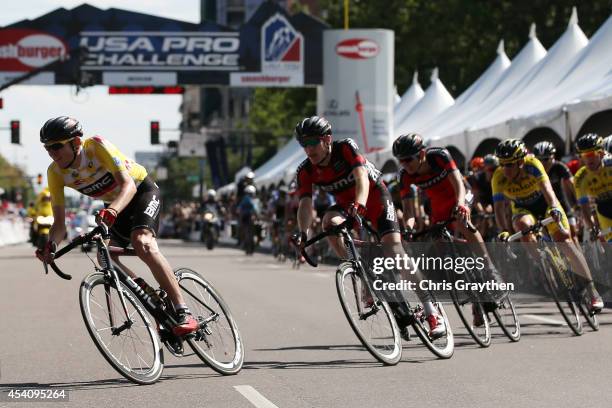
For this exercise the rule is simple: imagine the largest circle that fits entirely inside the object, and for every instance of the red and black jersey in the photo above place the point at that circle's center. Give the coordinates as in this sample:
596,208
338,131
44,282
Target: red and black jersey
436,184
337,177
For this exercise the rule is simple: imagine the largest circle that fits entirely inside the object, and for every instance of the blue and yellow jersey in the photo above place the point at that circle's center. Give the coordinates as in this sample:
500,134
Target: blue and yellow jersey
596,184
95,175
523,191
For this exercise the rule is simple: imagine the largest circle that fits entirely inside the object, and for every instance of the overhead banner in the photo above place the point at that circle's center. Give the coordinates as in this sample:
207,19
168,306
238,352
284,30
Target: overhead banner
133,49
357,95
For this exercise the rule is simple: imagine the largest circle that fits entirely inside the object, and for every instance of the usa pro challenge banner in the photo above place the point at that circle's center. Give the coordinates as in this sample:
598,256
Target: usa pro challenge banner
128,48
358,86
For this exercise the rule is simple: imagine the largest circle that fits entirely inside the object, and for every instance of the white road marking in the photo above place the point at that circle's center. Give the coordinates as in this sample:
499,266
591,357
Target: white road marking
545,320
254,396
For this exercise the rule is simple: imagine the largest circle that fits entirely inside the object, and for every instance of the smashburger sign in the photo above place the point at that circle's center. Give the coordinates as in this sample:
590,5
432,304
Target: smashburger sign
24,50
357,48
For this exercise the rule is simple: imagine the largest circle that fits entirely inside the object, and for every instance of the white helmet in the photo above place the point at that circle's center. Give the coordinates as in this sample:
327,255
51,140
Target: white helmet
250,190
250,175
211,193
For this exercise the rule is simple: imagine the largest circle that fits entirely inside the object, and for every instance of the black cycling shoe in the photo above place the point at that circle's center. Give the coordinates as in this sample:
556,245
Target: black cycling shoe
405,333
172,343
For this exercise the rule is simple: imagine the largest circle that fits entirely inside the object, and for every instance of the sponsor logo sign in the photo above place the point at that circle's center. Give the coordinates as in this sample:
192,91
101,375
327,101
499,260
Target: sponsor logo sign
357,48
282,56
25,49
169,51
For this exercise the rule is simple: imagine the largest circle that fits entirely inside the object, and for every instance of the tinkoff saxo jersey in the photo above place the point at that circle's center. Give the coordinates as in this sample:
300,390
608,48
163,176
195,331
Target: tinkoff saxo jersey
95,175
597,185
525,192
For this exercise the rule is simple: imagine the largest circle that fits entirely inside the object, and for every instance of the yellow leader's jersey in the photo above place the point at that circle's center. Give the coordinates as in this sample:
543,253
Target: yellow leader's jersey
596,184
94,176
524,192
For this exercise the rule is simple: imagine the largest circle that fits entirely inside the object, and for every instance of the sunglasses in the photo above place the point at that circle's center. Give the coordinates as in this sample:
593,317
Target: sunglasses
508,165
55,146
310,142
408,159
588,155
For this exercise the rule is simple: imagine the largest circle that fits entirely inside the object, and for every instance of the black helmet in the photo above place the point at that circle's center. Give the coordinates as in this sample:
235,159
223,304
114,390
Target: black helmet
314,126
607,144
491,160
407,145
544,149
589,142
60,129
510,150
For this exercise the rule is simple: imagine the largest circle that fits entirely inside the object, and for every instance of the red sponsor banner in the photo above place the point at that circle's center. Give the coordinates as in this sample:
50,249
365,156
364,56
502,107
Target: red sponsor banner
357,48
25,49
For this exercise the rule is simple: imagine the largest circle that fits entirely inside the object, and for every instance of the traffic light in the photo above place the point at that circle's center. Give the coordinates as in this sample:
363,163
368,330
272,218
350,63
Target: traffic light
39,179
154,132
15,125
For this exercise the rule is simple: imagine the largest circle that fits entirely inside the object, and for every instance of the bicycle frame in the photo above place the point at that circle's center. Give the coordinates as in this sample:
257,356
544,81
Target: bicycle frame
116,275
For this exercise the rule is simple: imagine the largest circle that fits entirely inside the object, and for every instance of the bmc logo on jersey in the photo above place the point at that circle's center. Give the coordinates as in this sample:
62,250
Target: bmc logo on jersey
25,49
281,42
357,48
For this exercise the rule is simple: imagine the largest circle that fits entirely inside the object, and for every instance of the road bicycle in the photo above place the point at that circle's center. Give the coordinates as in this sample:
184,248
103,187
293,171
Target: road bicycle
372,317
114,309
568,293
472,304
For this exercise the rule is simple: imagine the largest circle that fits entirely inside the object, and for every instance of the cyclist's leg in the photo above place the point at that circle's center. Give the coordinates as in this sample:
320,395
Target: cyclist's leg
335,216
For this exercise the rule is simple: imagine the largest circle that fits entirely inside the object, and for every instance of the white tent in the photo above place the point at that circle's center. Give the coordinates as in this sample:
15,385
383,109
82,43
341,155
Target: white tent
527,96
411,97
525,60
436,100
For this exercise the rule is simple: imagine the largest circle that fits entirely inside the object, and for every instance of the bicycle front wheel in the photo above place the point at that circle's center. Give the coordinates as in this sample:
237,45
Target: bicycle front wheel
127,341
562,296
370,318
218,342
469,309
507,318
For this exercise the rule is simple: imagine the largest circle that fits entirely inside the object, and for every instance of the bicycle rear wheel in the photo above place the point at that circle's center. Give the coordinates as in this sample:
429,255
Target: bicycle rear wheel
131,348
218,342
562,296
469,308
507,318
370,318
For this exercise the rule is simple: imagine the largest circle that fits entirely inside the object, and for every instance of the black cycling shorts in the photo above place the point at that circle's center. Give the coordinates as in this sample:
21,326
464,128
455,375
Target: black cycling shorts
142,212
380,210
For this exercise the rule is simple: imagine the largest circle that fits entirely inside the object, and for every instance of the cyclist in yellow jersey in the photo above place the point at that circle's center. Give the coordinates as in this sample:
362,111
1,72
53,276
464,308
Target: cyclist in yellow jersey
521,178
96,168
594,180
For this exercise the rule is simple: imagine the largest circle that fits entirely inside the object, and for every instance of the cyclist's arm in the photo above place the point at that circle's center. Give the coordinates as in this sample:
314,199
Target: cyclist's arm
587,215
128,190
410,212
567,185
304,213
362,185
549,194
499,207
458,186
58,229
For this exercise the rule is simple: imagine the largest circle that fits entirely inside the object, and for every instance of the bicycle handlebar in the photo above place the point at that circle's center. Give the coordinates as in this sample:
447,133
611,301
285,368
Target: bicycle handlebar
81,239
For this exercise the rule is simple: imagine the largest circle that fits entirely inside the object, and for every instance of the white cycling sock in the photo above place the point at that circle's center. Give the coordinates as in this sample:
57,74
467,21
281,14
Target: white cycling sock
429,308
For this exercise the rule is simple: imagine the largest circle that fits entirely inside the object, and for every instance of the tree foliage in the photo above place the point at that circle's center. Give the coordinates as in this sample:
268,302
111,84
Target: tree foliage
461,36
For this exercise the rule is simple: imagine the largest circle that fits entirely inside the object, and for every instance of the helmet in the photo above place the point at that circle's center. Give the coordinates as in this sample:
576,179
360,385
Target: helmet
250,175
314,126
607,144
544,149
477,163
589,142
510,151
407,145
60,129
211,193
491,160
250,190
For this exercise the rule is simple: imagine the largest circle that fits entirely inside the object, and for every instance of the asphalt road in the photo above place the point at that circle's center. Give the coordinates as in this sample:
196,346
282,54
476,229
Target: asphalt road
300,350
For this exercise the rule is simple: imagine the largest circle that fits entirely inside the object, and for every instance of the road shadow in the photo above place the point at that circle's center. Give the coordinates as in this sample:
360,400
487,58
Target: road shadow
75,385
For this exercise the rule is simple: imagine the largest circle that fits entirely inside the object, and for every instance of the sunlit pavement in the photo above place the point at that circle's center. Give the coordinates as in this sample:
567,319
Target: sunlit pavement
300,350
